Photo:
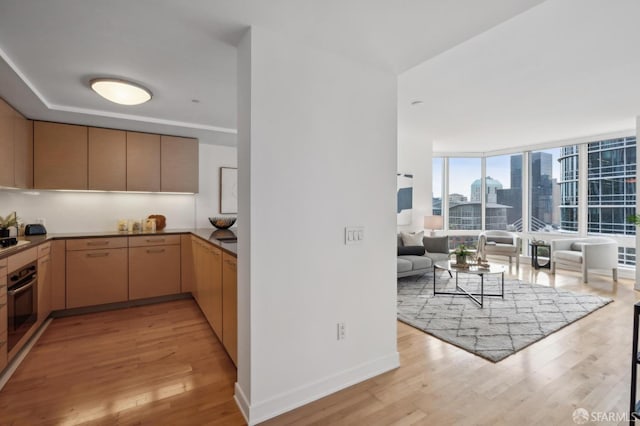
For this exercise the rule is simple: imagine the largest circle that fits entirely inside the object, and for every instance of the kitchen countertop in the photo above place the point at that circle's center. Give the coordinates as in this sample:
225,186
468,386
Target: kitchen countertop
213,236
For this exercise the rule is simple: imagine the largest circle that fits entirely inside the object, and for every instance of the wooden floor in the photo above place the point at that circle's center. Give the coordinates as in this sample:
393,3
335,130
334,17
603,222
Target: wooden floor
158,365
161,364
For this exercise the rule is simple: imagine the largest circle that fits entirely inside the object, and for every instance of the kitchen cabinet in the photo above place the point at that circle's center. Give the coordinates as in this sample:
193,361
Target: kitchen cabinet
143,162
179,164
98,275
6,145
186,262
208,272
44,282
107,159
60,158
16,146
58,275
3,314
230,306
154,266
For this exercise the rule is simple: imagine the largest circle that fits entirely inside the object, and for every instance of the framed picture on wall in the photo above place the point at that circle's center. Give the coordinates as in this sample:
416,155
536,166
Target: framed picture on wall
228,190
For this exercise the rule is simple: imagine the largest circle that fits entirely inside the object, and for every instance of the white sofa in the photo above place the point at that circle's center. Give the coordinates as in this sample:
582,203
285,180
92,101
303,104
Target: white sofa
585,253
500,243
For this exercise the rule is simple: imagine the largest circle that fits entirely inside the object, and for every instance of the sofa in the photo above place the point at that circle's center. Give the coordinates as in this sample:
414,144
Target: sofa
435,249
585,253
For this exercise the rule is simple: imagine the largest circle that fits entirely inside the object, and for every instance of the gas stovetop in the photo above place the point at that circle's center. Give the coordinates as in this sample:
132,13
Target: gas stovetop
13,246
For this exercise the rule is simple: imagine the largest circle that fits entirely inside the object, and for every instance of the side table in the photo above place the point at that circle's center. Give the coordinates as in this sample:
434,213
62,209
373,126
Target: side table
535,259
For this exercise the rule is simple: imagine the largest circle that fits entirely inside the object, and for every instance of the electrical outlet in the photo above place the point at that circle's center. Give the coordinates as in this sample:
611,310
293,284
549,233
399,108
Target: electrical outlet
341,328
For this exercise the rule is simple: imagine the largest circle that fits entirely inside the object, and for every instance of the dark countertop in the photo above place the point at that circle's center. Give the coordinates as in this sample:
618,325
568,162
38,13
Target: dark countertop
216,237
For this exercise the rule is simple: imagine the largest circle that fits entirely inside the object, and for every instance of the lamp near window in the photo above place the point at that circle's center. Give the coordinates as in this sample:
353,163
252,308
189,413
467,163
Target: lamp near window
433,223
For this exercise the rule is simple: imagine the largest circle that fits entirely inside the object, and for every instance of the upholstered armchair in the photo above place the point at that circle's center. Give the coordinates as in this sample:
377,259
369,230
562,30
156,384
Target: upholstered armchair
585,253
500,243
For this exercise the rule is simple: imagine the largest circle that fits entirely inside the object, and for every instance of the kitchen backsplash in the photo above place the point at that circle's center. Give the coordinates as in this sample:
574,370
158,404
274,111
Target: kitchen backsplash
96,211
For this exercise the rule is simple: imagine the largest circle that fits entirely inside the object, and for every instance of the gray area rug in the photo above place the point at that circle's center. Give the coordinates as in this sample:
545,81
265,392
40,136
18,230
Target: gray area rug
528,313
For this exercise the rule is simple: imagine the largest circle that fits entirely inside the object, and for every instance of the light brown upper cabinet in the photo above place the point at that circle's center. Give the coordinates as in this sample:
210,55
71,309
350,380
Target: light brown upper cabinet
16,148
23,151
107,159
59,156
179,169
143,162
6,144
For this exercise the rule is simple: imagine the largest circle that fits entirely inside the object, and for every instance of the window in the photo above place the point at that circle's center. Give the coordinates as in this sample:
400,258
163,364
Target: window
612,186
465,199
436,190
553,181
503,189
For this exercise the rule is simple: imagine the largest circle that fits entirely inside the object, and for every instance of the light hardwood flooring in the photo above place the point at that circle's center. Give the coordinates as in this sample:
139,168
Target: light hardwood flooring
161,364
157,364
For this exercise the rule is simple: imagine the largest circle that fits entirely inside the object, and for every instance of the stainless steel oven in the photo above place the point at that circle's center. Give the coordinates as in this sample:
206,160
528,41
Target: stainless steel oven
22,302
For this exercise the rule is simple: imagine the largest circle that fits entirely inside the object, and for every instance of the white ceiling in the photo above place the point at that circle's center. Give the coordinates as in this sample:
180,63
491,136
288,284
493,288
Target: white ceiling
184,50
564,69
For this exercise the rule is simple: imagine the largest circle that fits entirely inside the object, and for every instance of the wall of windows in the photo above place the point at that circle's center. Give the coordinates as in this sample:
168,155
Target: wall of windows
490,192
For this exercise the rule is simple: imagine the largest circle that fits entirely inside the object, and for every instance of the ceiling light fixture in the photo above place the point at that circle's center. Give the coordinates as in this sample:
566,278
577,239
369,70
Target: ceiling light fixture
120,91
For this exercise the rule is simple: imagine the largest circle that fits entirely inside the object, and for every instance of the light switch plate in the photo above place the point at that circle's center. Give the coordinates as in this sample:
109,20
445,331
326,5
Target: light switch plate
353,235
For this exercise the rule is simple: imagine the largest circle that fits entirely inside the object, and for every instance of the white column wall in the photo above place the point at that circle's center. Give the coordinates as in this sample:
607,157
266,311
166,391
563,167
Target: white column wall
317,152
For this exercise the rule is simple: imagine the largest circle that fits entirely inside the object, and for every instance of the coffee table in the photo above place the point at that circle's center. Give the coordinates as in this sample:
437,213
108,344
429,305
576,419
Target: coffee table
447,265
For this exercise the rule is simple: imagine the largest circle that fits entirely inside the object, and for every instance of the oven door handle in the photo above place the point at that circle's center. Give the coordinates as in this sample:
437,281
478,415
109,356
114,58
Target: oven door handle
21,289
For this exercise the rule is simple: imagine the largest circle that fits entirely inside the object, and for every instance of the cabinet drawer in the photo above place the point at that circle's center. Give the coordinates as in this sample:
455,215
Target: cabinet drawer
95,277
24,257
96,243
154,271
44,249
154,240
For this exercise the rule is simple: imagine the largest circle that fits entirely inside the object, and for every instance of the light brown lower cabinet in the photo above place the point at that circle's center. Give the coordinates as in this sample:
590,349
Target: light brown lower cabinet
44,287
95,277
154,271
208,289
3,314
230,306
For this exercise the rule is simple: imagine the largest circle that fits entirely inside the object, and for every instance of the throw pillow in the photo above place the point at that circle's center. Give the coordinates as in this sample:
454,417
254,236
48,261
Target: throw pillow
576,246
413,239
411,251
436,244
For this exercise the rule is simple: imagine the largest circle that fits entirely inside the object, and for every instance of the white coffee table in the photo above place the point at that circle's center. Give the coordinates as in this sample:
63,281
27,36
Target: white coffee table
492,269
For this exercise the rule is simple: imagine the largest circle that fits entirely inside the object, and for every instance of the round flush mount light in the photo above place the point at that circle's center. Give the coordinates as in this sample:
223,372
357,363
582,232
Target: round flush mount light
120,91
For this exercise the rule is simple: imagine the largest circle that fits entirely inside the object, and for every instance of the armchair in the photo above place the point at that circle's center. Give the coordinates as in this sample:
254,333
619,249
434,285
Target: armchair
586,253
501,243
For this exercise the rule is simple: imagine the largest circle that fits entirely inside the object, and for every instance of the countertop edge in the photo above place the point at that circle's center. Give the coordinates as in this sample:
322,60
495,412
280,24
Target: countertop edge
204,234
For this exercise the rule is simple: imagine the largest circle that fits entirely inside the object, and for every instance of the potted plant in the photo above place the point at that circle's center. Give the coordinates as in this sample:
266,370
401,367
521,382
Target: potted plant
461,253
6,223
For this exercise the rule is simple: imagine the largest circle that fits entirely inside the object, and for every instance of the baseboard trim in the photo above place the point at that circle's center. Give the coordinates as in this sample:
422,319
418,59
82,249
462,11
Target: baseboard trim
297,397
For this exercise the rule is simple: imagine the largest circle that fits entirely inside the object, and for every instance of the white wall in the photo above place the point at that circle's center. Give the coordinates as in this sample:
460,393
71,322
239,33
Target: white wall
212,157
100,211
317,152
415,157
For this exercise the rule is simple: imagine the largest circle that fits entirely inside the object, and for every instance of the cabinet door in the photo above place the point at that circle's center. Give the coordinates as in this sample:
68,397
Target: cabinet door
143,162
23,151
179,169
59,156
44,287
230,306
6,145
3,335
213,282
58,275
95,277
107,159
186,271
154,271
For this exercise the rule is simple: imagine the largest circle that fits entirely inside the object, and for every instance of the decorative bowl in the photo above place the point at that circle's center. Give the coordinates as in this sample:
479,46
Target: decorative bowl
221,222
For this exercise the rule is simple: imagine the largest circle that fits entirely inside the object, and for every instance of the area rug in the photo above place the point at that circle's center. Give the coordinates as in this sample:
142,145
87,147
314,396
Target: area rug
528,313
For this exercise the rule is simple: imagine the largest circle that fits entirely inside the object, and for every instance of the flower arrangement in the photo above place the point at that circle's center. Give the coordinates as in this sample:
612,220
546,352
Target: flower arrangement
9,221
462,250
